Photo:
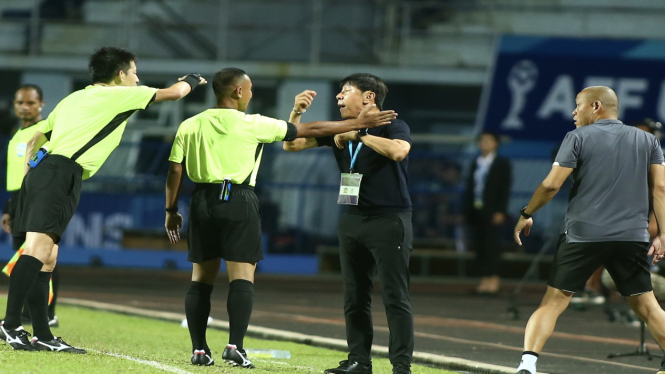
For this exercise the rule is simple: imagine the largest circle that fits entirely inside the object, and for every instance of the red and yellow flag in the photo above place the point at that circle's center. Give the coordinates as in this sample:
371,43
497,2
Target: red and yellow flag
10,266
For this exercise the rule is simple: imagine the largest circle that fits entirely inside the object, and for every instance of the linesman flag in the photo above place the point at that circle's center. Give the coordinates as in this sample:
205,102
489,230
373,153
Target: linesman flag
10,266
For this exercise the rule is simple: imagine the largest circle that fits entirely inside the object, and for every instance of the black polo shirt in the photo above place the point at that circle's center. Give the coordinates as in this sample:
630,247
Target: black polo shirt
384,184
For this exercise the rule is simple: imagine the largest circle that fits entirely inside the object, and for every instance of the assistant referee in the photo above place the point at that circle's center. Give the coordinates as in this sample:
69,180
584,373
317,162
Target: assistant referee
607,218
28,105
225,144
83,129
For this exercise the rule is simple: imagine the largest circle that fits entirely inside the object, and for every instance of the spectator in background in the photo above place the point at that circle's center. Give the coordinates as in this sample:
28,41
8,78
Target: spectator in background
485,203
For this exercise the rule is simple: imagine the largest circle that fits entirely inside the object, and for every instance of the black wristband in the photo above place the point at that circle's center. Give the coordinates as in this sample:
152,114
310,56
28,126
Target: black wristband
171,210
291,132
525,214
192,79
361,133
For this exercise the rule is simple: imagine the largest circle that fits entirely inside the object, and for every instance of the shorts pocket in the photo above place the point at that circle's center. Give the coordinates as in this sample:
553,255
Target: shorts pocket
41,177
236,209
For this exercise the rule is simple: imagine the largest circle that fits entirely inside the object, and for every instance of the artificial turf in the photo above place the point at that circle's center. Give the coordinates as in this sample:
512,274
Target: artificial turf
157,343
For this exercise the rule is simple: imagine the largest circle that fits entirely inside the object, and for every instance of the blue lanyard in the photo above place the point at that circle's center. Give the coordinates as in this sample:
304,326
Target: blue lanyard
353,155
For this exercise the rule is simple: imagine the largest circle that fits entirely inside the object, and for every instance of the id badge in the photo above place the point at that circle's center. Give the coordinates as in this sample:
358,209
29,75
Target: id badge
349,189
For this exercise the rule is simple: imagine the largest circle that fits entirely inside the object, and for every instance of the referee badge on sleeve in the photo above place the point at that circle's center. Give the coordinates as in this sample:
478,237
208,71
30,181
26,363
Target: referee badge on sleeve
349,189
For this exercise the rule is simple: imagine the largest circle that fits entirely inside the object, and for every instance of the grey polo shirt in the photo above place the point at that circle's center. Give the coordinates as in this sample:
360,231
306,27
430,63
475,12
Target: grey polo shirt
609,200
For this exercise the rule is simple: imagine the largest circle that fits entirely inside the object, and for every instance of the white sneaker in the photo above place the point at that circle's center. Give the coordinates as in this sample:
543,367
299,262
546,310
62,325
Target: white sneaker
53,322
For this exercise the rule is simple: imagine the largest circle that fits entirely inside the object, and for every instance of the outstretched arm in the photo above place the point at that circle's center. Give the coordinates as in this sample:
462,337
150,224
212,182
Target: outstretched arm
327,128
180,89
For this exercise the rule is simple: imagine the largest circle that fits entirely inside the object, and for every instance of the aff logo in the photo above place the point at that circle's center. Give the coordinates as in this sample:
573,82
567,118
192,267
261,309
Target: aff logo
559,102
521,80
560,99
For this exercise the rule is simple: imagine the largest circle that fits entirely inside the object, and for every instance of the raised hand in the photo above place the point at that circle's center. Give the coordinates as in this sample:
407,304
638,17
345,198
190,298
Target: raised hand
304,100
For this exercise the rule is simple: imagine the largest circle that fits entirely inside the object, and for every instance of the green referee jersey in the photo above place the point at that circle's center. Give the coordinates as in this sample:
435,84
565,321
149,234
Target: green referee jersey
16,151
225,143
83,114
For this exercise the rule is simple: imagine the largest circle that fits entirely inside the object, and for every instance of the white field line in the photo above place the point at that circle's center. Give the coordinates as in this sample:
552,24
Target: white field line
308,368
155,364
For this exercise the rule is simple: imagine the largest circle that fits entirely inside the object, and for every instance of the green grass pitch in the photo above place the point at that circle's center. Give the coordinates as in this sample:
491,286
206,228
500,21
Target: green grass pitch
116,342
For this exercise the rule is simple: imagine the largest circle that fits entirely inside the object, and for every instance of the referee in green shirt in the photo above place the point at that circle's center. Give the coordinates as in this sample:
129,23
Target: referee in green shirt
83,129
28,104
222,149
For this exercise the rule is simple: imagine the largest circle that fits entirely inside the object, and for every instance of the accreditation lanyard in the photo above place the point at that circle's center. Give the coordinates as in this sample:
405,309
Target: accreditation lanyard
354,155
349,189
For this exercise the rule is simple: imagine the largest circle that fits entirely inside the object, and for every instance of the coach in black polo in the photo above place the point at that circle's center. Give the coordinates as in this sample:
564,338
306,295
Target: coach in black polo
615,169
375,236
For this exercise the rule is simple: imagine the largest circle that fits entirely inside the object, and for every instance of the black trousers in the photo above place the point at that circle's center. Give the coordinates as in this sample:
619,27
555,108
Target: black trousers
486,241
377,244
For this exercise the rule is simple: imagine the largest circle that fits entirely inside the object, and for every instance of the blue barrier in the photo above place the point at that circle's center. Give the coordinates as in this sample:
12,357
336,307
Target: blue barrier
173,260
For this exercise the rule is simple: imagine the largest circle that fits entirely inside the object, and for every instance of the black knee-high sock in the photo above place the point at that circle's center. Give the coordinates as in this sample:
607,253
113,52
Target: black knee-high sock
26,313
197,309
56,285
239,306
20,283
37,302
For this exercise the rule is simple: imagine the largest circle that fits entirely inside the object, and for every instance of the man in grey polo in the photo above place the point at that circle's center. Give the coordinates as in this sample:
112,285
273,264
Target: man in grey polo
607,219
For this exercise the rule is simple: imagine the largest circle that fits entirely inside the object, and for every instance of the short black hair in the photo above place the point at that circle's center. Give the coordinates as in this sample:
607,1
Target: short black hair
106,62
224,79
32,87
368,82
496,136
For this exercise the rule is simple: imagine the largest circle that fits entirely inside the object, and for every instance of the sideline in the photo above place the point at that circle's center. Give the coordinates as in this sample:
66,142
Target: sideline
155,364
445,362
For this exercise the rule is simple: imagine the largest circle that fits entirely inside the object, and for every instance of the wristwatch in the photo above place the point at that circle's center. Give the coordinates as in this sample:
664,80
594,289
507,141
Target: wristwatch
171,210
525,214
361,133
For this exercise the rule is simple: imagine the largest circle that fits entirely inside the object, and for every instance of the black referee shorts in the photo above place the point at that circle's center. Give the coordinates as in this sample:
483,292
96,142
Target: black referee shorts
17,241
626,262
49,196
230,230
